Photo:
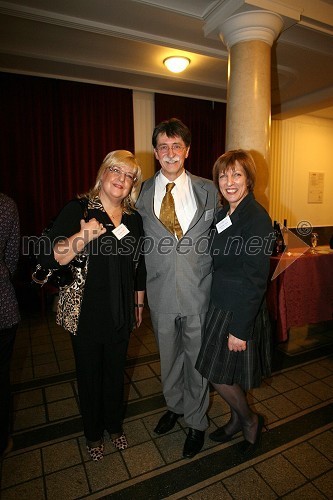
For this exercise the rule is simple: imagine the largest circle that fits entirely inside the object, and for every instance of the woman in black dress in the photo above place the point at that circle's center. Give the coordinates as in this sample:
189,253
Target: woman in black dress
113,294
235,352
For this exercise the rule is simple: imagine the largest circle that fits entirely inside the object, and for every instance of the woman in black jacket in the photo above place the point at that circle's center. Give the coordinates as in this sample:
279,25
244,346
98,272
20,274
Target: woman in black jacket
235,351
113,292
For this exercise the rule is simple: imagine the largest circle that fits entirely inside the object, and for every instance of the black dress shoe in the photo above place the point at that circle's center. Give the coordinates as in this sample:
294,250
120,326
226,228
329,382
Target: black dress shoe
248,449
220,436
167,422
194,442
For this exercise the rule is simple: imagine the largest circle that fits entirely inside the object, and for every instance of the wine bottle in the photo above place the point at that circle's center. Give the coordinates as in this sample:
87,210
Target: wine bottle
279,242
285,233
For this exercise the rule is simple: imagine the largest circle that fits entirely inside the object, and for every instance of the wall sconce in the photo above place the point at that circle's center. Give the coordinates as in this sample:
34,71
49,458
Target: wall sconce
176,64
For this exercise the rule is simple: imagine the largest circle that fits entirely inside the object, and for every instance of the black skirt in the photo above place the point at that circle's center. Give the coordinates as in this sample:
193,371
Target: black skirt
245,368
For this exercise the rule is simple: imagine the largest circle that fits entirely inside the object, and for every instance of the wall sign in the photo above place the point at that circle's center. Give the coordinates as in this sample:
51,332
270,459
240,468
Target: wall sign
316,187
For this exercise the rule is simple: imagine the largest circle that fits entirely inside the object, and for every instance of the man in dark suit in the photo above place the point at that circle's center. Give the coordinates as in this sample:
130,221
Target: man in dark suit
178,276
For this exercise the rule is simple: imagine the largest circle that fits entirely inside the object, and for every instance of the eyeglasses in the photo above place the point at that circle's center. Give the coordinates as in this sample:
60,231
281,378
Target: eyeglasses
118,173
164,148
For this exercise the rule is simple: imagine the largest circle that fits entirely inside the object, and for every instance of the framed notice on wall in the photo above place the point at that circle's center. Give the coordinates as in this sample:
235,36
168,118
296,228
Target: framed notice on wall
316,187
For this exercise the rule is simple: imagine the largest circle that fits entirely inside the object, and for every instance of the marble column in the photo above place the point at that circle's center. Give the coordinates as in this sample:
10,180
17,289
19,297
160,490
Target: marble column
249,37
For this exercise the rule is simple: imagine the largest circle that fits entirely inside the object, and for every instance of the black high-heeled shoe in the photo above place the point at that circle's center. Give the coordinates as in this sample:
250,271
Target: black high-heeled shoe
220,436
248,449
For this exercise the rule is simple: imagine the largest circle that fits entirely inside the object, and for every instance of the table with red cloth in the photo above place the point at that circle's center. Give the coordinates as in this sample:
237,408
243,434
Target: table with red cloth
303,292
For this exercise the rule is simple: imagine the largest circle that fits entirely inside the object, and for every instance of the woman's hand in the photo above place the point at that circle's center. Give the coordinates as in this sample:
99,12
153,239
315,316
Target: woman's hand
91,230
139,299
64,251
138,316
235,344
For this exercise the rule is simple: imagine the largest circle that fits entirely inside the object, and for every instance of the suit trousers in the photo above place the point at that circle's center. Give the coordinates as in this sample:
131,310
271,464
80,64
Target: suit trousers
100,379
184,389
7,340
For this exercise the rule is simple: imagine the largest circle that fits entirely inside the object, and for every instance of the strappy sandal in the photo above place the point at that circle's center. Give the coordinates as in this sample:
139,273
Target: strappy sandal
96,453
120,442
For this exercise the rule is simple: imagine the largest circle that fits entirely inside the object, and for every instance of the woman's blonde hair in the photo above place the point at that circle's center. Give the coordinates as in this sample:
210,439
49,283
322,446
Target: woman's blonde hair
119,158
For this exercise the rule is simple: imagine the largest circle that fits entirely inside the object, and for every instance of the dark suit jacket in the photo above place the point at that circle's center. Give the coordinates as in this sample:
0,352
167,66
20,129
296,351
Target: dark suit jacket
241,264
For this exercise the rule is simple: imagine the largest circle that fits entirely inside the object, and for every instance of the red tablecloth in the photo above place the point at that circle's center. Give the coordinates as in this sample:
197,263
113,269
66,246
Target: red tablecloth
302,293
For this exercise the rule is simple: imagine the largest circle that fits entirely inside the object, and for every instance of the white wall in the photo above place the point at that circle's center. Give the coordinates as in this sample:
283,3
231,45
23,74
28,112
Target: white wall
301,145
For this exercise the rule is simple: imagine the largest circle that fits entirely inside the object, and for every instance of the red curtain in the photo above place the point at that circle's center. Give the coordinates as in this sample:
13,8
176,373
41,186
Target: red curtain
207,123
54,136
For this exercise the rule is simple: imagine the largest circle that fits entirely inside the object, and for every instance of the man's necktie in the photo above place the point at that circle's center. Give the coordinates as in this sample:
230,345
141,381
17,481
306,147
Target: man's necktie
168,215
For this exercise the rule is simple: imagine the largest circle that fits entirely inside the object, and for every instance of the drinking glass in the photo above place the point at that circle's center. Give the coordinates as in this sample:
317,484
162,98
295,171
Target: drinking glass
314,242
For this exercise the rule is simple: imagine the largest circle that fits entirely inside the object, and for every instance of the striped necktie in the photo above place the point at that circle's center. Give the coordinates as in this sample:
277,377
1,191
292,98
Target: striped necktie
168,215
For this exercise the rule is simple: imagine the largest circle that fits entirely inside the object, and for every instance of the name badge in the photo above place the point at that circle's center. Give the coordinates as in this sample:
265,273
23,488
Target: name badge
120,231
223,224
209,214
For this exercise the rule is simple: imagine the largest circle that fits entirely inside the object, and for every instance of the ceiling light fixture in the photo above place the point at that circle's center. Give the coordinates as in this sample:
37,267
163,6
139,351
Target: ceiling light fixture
176,64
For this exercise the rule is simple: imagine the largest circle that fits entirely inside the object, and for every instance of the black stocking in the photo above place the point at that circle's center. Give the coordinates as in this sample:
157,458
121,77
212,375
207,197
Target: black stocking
234,424
241,414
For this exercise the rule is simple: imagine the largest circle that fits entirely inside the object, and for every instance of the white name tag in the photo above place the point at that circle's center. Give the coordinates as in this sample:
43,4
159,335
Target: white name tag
209,214
120,231
223,224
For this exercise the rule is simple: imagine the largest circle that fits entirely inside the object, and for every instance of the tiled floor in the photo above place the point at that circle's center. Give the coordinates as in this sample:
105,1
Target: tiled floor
50,461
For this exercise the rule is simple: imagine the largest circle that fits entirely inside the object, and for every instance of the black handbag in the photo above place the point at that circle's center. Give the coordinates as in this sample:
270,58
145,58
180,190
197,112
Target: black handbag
63,276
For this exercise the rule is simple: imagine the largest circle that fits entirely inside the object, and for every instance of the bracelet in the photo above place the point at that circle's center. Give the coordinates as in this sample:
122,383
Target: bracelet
139,305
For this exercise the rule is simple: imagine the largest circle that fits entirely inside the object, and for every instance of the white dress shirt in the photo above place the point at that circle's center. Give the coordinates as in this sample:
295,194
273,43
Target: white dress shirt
182,192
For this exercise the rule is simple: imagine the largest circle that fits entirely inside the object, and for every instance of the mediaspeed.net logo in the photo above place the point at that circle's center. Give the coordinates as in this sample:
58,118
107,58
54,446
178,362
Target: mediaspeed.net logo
295,247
